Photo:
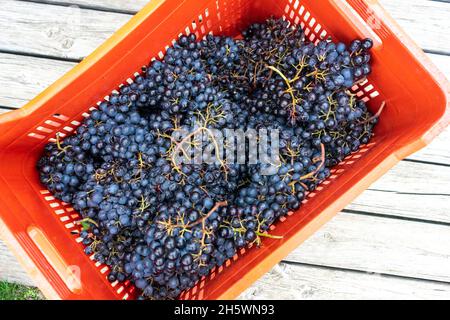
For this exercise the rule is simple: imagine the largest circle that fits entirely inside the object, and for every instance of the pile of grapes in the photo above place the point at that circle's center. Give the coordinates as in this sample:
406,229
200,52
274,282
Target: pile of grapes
163,225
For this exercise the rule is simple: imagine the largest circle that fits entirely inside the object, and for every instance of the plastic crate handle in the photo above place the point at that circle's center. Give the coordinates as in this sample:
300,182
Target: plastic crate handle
33,245
69,274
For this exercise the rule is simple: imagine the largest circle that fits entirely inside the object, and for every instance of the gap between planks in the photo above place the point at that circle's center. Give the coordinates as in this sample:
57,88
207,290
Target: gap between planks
354,244
294,282
24,77
73,33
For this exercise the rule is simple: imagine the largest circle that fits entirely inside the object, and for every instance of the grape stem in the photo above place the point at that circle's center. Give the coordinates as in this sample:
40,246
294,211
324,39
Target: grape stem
375,116
322,163
58,145
290,90
179,147
259,234
266,235
88,220
203,219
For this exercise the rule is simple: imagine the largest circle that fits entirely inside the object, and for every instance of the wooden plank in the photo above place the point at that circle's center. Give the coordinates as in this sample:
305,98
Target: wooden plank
426,21
352,242
57,31
287,281
10,269
71,32
299,282
437,152
428,207
415,178
409,190
22,77
381,245
113,5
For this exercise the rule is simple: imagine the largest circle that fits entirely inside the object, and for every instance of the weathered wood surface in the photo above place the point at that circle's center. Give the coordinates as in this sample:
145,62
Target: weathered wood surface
293,282
425,20
410,190
288,281
110,5
369,243
385,244
71,32
22,78
10,269
373,244
398,228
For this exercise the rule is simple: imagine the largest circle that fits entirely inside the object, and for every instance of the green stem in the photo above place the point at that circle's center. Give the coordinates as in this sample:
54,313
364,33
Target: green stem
88,221
266,235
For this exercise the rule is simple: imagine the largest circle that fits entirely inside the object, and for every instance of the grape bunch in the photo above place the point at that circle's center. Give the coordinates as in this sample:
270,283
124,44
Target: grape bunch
163,224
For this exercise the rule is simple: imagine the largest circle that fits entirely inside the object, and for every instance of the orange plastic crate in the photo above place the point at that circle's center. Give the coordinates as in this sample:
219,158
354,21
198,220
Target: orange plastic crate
38,228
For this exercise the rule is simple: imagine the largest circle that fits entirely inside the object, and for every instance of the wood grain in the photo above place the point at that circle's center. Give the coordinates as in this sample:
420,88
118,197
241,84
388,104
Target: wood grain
352,242
10,269
415,178
409,190
426,21
294,282
381,245
71,32
112,5
420,206
22,78
55,31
